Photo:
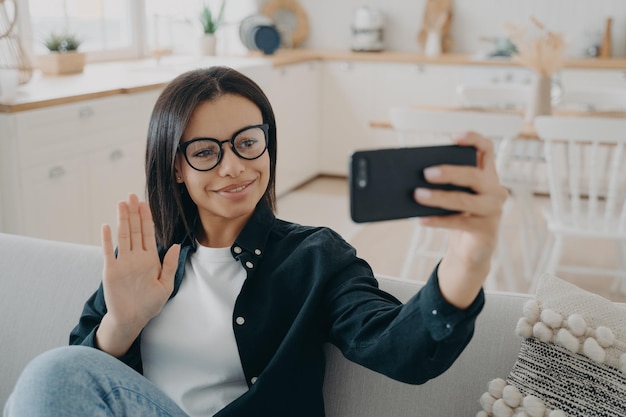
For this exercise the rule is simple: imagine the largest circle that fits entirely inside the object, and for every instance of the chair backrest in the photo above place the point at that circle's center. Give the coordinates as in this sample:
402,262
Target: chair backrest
493,96
593,100
417,126
416,122
586,168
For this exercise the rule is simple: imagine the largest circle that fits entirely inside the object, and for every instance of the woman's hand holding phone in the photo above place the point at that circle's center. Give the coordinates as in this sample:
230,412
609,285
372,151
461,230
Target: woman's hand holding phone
474,231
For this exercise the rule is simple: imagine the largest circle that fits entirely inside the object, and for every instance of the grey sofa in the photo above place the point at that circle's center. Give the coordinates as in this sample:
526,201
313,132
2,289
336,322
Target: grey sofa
43,286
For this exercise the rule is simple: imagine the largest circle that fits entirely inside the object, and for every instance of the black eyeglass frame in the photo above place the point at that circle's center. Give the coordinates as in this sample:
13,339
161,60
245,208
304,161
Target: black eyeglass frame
182,147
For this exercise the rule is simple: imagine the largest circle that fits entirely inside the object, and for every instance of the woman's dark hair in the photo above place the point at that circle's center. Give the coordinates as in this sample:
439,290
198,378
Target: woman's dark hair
175,214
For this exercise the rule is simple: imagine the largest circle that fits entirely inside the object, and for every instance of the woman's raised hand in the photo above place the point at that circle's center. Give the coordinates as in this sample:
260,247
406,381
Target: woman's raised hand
474,232
136,285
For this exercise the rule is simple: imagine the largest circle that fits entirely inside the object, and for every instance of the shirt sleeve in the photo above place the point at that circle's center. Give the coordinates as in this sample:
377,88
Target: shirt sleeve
411,342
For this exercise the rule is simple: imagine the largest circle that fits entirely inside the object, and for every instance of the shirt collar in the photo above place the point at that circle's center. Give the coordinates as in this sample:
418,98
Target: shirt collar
253,237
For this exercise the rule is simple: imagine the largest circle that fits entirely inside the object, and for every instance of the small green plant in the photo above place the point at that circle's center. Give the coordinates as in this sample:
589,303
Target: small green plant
210,23
62,42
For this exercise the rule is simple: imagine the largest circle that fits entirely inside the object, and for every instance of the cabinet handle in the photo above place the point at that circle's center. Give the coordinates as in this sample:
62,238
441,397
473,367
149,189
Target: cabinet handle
624,75
346,66
116,155
419,68
56,172
85,112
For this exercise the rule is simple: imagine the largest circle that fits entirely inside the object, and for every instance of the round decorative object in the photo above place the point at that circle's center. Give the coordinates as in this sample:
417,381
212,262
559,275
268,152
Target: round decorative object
266,38
290,19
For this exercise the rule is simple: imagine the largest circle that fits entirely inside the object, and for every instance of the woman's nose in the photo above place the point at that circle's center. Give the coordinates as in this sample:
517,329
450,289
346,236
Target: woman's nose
231,164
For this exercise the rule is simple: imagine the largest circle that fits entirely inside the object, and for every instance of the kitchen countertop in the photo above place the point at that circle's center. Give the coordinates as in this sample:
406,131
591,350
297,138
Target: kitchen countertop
124,77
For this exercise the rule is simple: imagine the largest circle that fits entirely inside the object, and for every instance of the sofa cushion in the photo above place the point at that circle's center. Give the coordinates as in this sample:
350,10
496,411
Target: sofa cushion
572,360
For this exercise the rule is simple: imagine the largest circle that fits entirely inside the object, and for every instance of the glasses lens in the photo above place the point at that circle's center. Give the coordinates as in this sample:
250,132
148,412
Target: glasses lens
250,143
203,154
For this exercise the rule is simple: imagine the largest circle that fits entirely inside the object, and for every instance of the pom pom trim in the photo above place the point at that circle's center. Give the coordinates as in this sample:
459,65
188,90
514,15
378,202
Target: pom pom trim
571,332
523,402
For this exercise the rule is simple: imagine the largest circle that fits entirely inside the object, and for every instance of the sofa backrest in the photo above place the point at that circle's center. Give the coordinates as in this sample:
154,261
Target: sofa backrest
353,391
44,284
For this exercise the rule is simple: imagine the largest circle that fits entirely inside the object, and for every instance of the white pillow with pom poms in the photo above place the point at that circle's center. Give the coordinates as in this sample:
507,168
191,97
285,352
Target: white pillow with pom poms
572,359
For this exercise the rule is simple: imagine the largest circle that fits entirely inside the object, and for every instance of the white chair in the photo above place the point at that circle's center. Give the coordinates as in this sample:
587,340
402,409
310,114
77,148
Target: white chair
500,96
425,127
593,100
586,160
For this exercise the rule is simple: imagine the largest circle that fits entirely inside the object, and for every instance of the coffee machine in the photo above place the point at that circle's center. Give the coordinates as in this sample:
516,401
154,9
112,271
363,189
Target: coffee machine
367,30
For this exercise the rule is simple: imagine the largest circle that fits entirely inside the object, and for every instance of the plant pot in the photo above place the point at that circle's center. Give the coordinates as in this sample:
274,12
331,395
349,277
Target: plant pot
207,44
57,63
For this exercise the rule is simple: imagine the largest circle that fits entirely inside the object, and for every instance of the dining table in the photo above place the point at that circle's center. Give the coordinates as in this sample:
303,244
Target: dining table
527,131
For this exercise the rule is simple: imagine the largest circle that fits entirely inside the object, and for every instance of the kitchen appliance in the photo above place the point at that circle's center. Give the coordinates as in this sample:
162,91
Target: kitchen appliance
368,29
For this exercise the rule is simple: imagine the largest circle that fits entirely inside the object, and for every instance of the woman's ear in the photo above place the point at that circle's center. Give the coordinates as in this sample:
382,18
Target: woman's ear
177,172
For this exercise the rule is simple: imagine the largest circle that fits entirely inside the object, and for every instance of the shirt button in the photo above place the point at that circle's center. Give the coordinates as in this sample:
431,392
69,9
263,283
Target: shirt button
434,312
237,249
448,326
257,252
253,379
249,265
240,320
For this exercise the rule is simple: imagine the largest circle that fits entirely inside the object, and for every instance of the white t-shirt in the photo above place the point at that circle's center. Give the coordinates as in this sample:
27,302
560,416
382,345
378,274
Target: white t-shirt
189,349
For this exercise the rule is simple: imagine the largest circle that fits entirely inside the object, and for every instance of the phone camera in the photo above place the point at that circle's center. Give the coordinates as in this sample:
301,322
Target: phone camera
361,179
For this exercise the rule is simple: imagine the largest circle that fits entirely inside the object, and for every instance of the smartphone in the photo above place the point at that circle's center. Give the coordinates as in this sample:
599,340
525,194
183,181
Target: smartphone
382,181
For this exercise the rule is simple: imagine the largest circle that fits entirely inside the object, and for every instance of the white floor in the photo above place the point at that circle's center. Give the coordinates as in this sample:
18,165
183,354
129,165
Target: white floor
324,202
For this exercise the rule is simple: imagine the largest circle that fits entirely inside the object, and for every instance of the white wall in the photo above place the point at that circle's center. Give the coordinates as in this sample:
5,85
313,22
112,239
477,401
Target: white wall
330,21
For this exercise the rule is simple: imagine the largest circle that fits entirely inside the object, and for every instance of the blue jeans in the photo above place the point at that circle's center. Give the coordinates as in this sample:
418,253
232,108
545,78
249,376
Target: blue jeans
82,381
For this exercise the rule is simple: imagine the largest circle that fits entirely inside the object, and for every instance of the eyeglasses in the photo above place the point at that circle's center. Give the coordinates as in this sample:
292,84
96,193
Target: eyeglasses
203,154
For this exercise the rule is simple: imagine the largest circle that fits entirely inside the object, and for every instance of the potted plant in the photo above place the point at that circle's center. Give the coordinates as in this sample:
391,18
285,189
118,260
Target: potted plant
64,57
210,24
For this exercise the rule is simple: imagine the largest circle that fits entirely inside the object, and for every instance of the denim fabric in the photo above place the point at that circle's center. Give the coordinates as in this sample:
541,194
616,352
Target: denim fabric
80,381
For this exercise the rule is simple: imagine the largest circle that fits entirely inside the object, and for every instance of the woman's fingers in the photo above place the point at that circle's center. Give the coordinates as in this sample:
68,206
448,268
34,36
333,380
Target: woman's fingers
123,228
136,237
107,244
170,265
484,146
483,180
147,227
135,226
476,204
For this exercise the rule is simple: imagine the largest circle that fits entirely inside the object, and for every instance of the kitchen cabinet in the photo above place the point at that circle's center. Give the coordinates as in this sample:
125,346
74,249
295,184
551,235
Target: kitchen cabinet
355,93
295,98
589,79
404,84
64,168
347,108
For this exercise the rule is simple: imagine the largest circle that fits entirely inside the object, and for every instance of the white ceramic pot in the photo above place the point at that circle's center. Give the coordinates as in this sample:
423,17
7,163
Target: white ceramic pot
207,44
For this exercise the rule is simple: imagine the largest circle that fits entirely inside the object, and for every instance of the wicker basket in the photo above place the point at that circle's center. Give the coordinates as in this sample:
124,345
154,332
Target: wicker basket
12,55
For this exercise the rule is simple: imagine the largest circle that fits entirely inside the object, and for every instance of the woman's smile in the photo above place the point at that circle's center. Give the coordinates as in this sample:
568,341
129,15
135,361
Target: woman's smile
235,190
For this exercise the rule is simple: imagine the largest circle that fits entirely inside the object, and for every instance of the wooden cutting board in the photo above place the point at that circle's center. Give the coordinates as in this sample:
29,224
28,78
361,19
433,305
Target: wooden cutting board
437,17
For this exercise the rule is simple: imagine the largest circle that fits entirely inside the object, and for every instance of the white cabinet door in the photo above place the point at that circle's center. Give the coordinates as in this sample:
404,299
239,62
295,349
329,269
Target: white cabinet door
357,93
347,109
586,79
405,84
55,201
114,173
73,163
294,95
